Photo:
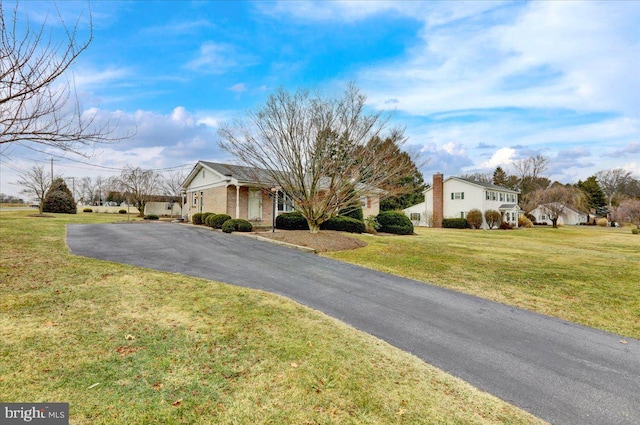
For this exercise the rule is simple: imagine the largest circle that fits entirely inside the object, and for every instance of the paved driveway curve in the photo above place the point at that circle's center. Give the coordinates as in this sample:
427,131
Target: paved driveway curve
559,371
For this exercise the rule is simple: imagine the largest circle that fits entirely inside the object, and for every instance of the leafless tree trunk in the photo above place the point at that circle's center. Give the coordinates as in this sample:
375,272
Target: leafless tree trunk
315,149
37,104
629,211
36,183
139,186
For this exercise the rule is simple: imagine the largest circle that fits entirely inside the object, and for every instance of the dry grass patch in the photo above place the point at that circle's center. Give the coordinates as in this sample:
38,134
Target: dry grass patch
128,345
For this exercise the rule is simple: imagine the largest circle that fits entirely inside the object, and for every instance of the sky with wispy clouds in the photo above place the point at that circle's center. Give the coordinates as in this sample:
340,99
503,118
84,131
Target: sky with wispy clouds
475,84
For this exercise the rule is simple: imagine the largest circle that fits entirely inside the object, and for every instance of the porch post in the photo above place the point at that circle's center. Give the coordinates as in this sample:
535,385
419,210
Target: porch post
237,201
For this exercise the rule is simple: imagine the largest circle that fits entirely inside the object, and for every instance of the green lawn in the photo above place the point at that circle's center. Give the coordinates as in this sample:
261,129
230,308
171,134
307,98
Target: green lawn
589,275
128,345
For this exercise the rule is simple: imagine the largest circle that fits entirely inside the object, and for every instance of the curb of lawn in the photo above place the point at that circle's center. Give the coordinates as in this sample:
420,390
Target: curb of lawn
290,245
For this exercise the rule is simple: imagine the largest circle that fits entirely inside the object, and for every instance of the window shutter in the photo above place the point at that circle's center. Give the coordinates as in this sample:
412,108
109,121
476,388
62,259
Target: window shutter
461,195
451,195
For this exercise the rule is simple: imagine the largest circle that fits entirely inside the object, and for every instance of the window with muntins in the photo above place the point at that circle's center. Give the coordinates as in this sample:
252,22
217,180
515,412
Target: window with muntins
415,217
457,195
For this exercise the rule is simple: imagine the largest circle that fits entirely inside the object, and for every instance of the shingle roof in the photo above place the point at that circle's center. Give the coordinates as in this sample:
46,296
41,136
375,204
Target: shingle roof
487,185
240,172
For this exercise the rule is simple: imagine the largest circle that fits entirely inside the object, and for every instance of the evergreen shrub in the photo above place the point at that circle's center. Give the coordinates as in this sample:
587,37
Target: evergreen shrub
454,223
236,224
218,220
122,211
196,218
344,224
291,221
59,199
151,217
395,222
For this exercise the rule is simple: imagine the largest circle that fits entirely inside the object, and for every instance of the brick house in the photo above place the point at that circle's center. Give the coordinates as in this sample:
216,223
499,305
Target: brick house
242,192
455,197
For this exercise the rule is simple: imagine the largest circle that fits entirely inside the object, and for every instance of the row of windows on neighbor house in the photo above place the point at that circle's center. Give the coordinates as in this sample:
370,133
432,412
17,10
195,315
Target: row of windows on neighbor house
490,196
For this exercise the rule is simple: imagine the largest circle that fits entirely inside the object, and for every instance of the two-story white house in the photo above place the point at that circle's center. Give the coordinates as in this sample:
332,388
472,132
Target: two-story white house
455,197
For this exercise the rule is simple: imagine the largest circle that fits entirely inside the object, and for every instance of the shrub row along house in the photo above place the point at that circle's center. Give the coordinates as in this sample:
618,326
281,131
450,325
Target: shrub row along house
455,197
243,192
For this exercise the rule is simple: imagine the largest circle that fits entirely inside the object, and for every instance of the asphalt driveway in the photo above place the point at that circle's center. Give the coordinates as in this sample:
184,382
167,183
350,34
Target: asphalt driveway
559,371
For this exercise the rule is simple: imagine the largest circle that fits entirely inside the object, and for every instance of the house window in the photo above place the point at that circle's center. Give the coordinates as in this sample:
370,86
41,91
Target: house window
501,197
195,198
285,203
493,196
415,217
543,217
457,195
487,194
365,202
202,173
463,214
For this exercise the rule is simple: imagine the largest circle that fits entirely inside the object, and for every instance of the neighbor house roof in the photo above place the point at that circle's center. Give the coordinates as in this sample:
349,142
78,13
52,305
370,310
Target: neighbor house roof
476,183
240,172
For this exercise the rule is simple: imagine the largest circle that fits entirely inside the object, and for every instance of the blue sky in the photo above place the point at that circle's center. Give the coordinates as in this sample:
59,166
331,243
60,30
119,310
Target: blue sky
475,84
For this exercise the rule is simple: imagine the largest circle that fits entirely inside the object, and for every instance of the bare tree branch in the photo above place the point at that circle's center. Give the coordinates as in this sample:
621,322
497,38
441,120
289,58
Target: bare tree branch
35,182
37,104
317,150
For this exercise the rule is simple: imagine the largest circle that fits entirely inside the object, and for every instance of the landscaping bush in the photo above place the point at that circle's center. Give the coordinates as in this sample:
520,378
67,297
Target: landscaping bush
343,224
218,220
505,226
207,220
454,223
291,221
602,222
151,217
87,210
236,224
531,217
59,199
196,218
635,231
205,215
353,213
122,211
493,218
474,218
523,221
395,222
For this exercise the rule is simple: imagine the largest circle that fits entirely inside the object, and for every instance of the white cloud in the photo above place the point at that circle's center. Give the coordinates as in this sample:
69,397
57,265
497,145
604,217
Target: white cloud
503,156
219,58
238,88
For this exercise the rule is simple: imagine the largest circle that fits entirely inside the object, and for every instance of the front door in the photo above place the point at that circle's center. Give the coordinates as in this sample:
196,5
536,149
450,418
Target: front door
255,204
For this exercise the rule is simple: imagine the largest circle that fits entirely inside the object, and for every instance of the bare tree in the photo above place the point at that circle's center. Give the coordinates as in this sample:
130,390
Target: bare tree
172,185
139,186
555,200
529,171
316,149
37,104
614,183
629,211
35,182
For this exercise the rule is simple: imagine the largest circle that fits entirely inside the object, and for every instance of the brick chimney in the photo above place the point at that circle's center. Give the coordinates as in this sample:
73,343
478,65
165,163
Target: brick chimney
438,200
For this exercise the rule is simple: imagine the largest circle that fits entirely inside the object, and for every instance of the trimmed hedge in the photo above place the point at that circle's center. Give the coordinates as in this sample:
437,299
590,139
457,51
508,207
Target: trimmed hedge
204,217
236,225
454,223
122,211
344,224
216,221
207,220
87,210
196,218
291,221
395,222
151,217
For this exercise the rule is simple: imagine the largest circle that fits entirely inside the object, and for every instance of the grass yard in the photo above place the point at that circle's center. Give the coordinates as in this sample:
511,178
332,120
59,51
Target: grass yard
128,345
588,275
